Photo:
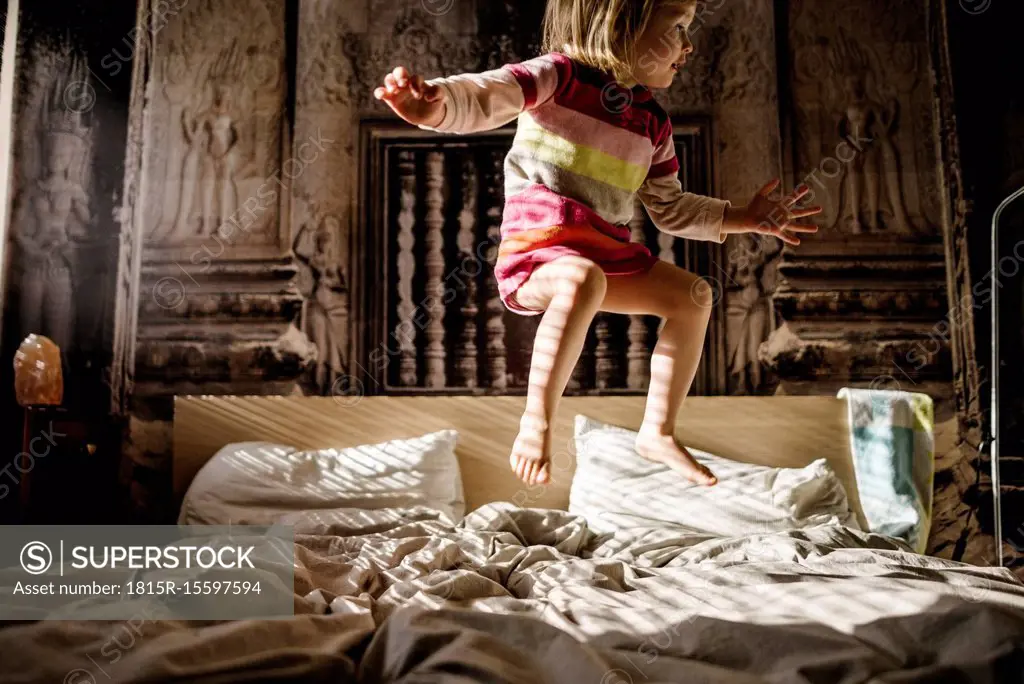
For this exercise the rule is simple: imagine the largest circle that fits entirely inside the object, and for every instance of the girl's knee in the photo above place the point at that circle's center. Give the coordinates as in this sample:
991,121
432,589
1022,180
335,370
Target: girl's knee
594,283
690,296
592,286
583,279
702,295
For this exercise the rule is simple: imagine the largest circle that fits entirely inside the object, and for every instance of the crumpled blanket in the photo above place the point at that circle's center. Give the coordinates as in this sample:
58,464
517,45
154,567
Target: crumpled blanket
530,595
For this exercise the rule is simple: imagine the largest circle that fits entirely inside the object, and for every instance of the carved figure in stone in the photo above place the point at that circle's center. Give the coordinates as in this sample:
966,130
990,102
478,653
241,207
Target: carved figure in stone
324,317
748,311
210,163
54,211
872,184
220,163
197,139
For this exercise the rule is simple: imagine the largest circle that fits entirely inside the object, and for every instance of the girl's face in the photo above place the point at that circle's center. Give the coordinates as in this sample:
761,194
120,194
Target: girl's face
663,46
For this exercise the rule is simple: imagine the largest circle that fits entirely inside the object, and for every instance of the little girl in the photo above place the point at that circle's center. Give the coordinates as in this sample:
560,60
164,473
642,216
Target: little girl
589,139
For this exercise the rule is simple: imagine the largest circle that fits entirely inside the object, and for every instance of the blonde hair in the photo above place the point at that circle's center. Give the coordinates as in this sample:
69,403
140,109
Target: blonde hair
600,33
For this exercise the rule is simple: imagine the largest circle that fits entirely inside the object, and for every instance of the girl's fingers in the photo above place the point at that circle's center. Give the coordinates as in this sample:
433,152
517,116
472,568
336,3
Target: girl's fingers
780,233
416,85
767,189
390,84
782,230
802,213
401,76
795,197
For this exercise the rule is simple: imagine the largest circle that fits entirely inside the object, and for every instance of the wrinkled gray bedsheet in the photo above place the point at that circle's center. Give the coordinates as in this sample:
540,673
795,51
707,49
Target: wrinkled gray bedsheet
515,595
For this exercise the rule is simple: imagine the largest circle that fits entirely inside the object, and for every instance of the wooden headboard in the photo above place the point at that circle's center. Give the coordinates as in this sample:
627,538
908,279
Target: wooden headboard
781,431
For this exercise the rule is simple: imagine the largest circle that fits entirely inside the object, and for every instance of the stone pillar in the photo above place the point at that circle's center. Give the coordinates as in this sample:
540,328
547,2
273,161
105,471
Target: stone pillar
218,171
213,167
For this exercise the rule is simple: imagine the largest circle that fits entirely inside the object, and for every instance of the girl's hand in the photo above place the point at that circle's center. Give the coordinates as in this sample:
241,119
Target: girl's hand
772,217
411,98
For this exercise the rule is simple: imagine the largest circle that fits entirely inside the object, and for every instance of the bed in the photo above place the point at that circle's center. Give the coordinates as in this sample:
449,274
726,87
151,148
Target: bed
509,583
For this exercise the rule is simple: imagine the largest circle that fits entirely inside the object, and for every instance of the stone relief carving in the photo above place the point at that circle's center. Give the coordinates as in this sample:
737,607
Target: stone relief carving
324,70
864,89
732,59
127,295
413,42
749,318
210,162
215,133
324,288
732,74
872,182
52,206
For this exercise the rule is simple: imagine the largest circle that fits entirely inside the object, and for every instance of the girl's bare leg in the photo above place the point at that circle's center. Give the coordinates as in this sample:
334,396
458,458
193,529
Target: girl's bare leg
684,302
570,290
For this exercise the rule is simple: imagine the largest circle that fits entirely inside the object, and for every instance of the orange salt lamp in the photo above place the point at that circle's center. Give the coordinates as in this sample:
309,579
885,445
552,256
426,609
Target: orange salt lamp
37,372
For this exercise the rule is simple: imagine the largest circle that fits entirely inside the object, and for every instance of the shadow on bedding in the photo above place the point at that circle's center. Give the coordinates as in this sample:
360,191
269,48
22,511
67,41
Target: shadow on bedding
954,641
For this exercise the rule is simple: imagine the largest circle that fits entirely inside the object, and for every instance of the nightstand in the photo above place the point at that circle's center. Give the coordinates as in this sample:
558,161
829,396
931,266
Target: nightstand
67,469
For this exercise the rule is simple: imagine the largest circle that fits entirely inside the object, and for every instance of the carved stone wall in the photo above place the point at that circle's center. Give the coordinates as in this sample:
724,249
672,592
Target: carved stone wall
216,180
67,176
61,253
861,140
215,301
865,303
242,188
229,263
732,75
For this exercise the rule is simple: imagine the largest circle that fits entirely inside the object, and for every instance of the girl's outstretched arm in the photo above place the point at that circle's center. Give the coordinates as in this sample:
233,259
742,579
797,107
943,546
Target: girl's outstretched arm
674,211
696,217
471,103
683,214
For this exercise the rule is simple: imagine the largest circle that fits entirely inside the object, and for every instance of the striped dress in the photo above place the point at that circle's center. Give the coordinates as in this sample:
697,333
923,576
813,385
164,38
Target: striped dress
584,149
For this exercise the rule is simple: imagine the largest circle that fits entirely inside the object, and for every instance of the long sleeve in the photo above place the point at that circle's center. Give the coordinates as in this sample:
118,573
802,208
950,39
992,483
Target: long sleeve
489,100
673,211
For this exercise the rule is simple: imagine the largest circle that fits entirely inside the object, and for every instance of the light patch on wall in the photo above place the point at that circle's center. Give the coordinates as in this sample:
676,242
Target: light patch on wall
6,124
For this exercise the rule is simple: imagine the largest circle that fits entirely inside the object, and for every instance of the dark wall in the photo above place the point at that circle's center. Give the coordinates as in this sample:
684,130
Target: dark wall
989,85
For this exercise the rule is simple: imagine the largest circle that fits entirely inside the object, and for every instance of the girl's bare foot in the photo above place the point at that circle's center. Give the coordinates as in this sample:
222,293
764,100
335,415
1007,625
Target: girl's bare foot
530,458
654,446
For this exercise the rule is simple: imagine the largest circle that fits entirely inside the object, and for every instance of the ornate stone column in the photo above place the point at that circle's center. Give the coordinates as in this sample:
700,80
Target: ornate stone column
218,172
212,168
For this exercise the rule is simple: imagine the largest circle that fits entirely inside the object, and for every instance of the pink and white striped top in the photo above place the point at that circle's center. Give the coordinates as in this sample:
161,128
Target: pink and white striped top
585,148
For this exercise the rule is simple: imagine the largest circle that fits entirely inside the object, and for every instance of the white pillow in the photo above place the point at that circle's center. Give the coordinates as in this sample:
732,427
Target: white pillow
257,483
615,488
